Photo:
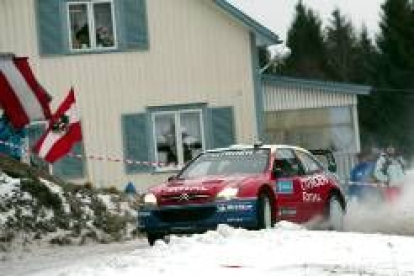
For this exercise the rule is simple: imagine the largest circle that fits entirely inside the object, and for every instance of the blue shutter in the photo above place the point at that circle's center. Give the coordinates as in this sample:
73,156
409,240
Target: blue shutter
136,142
34,132
70,167
50,25
222,127
132,24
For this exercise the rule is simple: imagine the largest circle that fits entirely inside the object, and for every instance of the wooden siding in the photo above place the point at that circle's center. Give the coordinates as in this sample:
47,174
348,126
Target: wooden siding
197,53
278,98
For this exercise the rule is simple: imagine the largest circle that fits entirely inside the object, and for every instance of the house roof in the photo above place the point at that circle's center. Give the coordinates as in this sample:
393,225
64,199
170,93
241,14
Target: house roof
264,35
325,86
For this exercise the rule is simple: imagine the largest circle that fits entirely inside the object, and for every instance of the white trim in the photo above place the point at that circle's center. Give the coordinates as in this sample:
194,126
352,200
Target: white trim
355,119
91,25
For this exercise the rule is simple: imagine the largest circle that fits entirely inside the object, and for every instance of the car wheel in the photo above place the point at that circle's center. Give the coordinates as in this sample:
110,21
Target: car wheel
335,214
264,212
153,237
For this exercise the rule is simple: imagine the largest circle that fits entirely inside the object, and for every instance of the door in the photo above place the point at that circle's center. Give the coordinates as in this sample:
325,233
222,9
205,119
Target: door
314,184
286,176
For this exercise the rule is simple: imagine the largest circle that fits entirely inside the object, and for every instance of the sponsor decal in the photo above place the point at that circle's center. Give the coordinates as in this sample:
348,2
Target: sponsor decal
314,181
284,187
234,207
143,214
237,153
287,211
311,197
185,189
234,220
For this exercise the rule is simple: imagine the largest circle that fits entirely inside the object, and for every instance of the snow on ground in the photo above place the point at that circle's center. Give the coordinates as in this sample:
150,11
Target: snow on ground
288,249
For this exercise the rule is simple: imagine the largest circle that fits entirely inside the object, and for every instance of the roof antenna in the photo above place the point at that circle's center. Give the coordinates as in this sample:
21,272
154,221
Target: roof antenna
257,144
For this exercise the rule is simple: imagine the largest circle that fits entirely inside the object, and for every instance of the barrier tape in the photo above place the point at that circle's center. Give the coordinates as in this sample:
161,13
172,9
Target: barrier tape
95,157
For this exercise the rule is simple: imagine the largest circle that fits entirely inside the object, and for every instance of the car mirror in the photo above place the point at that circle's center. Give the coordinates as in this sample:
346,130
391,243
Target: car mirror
332,167
171,178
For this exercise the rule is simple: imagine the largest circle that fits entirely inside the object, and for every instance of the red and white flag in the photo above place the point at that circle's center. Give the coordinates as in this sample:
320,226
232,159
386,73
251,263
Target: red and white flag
63,132
21,96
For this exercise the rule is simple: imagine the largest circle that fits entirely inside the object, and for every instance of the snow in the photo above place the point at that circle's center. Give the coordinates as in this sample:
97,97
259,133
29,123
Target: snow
288,249
370,246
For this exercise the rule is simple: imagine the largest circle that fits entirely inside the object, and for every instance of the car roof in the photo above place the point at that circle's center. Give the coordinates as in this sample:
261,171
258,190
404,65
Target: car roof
272,148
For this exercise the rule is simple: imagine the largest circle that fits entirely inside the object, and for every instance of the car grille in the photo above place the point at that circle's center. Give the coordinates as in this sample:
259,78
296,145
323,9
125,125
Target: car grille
186,214
184,198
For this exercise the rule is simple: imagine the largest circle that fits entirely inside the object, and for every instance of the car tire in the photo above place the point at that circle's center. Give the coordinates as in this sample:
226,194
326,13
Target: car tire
335,214
153,237
264,212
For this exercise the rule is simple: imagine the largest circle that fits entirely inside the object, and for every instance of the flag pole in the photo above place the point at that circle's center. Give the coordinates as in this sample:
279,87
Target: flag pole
86,165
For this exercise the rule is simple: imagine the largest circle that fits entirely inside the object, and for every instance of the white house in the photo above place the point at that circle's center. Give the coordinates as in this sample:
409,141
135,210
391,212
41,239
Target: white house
143,71
156,81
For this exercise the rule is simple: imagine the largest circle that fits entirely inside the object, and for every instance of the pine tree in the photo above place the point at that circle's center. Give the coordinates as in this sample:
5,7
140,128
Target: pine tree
341,43
390,114
305,39
365,58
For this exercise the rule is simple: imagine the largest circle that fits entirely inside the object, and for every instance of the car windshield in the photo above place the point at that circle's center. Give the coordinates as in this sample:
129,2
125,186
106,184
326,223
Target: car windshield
251,161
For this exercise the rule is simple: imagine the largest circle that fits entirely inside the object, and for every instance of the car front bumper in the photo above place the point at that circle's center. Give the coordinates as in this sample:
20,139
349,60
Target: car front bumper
198,217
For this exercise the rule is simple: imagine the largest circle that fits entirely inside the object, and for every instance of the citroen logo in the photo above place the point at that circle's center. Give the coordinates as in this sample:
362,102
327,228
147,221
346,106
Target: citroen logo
184,197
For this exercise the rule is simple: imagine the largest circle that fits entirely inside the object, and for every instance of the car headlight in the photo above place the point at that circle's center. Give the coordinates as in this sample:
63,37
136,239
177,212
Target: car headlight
227,193
150,200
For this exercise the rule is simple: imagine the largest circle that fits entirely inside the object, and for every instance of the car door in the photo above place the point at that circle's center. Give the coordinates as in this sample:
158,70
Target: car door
286,176
314,183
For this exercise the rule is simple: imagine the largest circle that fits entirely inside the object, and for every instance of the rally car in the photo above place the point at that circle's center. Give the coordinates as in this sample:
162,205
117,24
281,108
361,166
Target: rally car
249,186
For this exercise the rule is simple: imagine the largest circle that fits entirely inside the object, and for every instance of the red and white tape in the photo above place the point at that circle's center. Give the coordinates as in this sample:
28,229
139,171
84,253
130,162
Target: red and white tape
96,157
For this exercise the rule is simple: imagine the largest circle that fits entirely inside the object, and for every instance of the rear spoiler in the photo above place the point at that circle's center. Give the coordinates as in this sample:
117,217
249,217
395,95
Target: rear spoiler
332,167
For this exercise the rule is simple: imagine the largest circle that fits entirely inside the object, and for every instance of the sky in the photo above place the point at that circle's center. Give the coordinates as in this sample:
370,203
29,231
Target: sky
277,15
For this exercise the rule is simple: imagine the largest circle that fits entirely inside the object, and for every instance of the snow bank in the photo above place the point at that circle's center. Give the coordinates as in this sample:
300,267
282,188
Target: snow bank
33,209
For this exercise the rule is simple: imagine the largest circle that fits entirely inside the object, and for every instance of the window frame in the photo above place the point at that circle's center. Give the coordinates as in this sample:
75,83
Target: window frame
177,121
91,21
307,170
300,169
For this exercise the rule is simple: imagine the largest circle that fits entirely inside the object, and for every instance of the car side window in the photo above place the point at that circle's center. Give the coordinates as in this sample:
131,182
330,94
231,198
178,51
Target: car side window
309,164
286,164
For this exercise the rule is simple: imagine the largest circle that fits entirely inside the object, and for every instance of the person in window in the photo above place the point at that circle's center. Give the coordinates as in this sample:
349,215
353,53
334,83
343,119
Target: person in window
190,143
104,37
82,37
170,146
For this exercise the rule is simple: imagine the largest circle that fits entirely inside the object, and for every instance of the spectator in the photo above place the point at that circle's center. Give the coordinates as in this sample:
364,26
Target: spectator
362,172
389,168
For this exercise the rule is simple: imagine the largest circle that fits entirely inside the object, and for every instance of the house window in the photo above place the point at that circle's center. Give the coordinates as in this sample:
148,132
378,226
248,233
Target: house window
325,128
91,25
179,136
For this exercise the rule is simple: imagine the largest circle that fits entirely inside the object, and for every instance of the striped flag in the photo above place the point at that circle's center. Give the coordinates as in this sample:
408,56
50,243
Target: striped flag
21,96
63,132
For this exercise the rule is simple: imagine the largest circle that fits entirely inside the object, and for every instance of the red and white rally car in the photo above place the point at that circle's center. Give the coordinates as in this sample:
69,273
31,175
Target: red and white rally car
243,186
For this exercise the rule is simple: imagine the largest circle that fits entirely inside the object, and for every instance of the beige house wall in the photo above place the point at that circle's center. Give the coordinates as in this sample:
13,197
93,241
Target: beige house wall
197,54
